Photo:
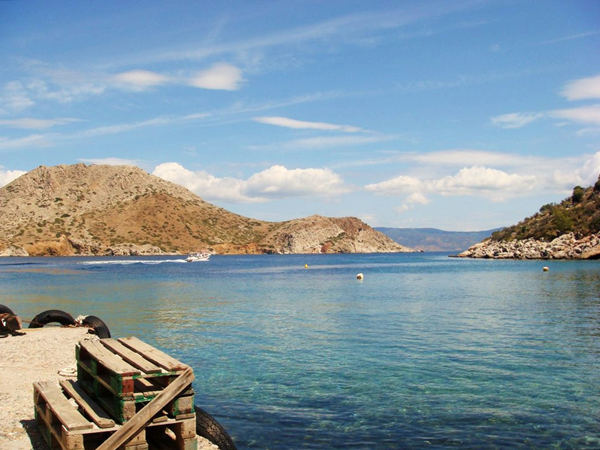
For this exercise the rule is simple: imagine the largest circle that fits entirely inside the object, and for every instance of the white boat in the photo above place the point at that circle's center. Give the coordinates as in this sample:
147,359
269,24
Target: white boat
195,257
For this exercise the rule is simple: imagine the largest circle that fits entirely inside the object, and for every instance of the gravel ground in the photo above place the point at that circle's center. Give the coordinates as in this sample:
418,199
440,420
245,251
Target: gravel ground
39,355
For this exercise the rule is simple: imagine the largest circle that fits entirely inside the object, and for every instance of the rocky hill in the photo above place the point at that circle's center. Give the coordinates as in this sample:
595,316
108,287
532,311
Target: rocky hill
122,210
568,230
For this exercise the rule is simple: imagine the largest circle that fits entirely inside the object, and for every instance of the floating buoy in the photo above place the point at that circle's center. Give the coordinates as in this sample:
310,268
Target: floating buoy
546,269
306,266
359,276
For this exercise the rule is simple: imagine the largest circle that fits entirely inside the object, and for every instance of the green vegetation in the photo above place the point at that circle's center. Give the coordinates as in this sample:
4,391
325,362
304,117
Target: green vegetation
579,214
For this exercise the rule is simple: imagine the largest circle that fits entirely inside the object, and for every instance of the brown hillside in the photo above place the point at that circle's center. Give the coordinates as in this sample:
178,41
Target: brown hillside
101,209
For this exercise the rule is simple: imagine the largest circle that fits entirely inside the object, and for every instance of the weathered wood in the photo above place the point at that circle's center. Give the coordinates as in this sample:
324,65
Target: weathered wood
133,358
91,408
143,417
65,412
153,354
111,361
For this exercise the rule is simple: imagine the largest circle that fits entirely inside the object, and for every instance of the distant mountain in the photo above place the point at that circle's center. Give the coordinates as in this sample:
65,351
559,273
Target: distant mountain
121,210
434,240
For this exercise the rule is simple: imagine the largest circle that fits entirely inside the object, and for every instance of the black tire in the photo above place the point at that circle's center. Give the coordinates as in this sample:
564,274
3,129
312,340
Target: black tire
98,325
50,316
6,309
209,428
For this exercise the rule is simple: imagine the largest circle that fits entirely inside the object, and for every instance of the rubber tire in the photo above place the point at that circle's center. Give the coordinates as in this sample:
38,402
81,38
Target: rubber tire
209,428
98,325
6,309
50,316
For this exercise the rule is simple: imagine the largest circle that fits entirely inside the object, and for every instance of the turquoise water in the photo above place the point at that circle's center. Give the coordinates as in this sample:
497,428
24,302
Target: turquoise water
426,352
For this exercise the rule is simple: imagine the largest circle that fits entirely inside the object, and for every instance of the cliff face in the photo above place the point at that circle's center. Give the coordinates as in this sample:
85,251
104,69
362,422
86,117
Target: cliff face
568,230
97,209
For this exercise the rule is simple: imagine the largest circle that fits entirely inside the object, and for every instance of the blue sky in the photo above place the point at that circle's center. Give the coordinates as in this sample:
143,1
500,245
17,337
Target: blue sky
459,115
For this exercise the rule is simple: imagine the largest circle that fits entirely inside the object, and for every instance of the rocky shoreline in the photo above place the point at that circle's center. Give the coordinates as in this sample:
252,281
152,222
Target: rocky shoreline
567,246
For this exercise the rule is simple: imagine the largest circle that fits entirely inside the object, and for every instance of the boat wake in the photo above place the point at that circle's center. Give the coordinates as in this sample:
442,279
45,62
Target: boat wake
133,261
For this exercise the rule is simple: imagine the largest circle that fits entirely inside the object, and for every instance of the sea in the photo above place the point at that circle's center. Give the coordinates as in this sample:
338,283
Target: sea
295,352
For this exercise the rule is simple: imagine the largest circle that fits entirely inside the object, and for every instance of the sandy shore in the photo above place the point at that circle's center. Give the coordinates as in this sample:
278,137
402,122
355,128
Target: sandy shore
39,355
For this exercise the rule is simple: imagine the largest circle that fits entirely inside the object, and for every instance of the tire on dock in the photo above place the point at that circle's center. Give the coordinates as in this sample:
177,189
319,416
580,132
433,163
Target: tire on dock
5,309
100,328
208,427
51,316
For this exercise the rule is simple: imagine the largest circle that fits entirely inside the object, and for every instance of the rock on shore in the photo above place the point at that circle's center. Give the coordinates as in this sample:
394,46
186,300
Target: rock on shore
566,246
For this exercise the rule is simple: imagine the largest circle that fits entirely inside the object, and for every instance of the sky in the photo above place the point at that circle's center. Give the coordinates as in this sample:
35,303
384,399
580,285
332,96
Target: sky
460,115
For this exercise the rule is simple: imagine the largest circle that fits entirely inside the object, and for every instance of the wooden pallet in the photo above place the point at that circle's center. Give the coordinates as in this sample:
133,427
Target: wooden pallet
123,375
70,420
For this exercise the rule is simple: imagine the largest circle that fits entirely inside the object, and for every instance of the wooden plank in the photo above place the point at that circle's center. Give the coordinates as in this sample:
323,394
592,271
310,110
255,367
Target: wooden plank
133,358
60,406
142,418
108,359
153,354
91,408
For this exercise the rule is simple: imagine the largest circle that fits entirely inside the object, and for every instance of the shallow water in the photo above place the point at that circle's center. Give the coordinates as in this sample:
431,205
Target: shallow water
426,352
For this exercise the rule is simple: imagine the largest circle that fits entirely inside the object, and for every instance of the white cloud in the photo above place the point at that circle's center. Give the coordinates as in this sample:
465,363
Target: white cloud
515,120
584,88
273,183
6,176
588,174
470,181
140,79
479,180
222,76
399,185
583,114
417,197
31,123
300,124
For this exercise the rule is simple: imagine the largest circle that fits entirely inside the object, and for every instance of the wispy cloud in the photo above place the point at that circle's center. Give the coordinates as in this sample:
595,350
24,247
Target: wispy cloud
140,79
567,38
515,120
583,114
276,182
304,125
40,124
322,142
582,89
34,140
112,161
221,76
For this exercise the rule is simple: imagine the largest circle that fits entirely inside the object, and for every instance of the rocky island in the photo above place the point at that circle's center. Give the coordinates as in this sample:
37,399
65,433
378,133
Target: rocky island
122,210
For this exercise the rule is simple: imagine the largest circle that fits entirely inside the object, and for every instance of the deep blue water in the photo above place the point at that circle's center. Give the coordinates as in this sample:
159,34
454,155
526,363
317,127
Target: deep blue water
426,352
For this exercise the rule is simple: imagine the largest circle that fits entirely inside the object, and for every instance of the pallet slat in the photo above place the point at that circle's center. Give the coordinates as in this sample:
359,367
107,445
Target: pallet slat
133,358
153,354
97,414
61,408
108,359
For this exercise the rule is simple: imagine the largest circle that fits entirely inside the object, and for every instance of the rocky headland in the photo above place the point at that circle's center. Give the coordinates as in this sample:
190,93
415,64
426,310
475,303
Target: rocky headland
124,211
566,246
568,230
